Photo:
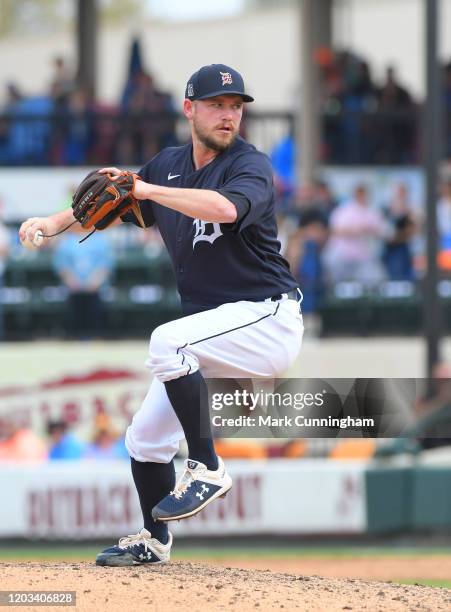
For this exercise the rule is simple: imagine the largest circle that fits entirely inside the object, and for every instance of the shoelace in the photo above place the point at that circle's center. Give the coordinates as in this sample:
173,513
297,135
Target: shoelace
186,480
134,540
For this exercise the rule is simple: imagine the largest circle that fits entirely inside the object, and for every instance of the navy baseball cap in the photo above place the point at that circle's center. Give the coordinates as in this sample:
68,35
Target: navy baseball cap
215,80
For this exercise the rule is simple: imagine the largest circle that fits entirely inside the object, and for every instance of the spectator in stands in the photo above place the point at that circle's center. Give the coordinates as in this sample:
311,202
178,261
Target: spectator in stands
392,95
325,201
28,135
354,247
21,444
397,255
63,443
304,255
63,81
332,88
77,135
149,119
396,126
447,108
364,124
359,97
314,205
106,444
84,271
69,141
103,446
13,97
317,196
283,159
304,200
4,252
444,216
105,127
444,225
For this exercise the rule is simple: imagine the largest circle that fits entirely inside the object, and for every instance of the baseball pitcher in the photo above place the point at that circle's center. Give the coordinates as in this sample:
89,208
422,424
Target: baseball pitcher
213,203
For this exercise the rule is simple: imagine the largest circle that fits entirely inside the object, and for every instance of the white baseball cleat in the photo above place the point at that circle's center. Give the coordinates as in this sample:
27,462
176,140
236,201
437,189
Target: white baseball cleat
139,549
195,489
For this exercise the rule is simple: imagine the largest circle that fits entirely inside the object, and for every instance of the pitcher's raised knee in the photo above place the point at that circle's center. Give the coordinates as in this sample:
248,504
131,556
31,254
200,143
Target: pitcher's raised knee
170,355
141,448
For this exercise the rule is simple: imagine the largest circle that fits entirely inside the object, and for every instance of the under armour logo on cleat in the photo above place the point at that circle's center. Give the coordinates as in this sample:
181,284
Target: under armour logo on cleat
147,556
201,493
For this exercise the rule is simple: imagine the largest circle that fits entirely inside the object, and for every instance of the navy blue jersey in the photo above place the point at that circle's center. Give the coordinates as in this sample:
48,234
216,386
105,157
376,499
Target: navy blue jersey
216,263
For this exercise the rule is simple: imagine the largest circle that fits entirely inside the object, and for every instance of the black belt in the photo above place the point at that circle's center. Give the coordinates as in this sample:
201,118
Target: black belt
292,295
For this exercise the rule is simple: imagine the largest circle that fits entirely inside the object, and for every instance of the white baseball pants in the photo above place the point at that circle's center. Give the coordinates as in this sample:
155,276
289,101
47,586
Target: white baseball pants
236,340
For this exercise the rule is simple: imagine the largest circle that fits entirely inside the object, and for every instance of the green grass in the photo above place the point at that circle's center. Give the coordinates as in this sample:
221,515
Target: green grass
88,552
309,552
49,554
444,584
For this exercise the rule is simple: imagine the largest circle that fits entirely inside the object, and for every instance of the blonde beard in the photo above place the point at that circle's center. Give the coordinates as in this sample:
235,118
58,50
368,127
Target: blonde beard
209,142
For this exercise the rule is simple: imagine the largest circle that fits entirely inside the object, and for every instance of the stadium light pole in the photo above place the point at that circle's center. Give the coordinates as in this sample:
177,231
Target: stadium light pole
432,151
315,21
308,120
87,26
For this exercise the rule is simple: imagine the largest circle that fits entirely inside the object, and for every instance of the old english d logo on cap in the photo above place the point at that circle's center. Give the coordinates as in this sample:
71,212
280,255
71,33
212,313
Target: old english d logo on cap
216,80
226,78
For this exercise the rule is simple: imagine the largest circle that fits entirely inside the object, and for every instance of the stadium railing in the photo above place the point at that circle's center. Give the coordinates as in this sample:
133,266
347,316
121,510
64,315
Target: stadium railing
369,137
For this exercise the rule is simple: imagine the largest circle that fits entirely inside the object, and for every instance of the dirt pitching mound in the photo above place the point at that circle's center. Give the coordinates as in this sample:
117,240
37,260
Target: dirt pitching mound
195,587
409,568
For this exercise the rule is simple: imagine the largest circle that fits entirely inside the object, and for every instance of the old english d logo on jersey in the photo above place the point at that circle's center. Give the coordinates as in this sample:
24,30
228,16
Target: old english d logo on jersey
205,230
245,263
226,78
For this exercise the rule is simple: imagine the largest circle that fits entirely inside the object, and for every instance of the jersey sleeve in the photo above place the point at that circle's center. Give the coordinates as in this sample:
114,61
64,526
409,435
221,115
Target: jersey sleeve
250,188
144,205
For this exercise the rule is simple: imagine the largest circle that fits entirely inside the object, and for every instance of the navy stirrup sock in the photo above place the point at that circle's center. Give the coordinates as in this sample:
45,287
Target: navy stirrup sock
189,398
153,481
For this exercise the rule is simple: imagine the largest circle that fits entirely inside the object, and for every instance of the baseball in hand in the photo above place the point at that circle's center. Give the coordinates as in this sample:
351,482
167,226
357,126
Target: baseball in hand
35,243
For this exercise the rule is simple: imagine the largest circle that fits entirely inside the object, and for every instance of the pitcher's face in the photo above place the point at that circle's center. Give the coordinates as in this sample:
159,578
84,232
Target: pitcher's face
216,121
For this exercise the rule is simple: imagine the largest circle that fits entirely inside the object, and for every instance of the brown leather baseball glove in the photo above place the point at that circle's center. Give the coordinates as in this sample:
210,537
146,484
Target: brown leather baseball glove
101,198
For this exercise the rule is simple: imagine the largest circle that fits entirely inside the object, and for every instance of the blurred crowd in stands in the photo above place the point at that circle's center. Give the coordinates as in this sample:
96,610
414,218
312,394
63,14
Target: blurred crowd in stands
328,239
20,443
83,273
425,415
358,239
61,442
64,127
364,122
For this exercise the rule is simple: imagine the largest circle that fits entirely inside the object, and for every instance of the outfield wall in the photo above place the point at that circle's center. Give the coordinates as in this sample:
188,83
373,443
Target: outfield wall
92,500
82,500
